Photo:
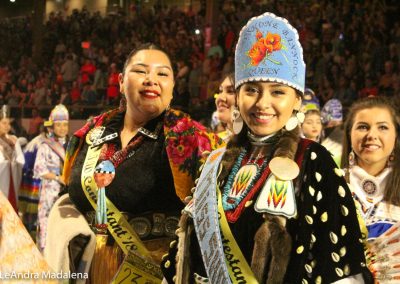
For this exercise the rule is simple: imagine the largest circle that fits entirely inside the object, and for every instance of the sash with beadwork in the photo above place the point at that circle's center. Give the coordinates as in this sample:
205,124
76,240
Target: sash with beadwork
222,257
223,260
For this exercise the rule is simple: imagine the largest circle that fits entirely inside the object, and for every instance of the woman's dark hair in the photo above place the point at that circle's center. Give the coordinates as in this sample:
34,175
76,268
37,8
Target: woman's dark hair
145,46
231,77
392,190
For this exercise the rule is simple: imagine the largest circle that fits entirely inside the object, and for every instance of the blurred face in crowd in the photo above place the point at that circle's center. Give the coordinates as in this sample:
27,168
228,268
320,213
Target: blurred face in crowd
373,138
266,106
147,83
225,100
60,128
312,125
5,126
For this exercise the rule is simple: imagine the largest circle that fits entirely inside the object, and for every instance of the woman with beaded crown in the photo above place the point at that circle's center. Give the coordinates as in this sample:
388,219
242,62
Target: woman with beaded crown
371,156
270,207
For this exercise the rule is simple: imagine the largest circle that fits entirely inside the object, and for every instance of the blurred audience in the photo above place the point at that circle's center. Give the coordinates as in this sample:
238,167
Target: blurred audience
351,50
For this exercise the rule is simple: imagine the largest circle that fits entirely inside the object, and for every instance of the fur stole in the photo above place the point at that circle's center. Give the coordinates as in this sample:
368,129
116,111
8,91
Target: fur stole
272,242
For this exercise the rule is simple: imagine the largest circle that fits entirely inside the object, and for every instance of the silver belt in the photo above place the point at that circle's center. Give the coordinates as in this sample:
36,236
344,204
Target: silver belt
148,225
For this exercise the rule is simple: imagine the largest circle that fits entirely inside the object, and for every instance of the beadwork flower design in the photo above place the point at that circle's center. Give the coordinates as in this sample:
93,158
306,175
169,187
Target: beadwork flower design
264,47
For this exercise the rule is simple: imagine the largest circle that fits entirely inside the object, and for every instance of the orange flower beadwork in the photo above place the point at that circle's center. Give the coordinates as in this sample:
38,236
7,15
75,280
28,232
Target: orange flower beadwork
264,46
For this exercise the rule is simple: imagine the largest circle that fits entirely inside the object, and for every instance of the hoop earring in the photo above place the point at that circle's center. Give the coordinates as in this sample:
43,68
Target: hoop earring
294,120
237,121
352,158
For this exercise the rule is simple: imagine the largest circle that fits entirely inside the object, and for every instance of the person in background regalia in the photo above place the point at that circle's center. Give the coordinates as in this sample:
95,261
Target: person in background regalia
29,190
371,152
11,159
48,167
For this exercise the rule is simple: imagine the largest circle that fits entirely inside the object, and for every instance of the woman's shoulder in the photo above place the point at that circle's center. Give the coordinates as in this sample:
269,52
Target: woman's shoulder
178,123
96,121
313,147
315,156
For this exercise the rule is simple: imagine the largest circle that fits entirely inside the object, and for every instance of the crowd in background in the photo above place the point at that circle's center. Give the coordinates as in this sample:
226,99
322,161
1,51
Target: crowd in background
351,49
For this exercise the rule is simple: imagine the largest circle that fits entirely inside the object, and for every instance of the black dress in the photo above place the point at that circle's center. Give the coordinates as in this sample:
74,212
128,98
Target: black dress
143,183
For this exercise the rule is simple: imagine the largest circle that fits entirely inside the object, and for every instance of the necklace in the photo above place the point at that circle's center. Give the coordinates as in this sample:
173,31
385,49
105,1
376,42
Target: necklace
242,179
262,140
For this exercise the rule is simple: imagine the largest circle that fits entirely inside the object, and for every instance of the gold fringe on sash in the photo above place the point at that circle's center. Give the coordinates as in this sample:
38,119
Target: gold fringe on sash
106,261
108,258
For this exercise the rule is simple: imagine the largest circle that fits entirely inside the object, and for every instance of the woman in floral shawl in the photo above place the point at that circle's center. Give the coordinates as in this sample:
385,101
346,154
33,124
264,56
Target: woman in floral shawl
143,157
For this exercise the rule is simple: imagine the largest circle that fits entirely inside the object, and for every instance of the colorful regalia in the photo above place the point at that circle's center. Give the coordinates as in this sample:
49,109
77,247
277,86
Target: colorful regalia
29,190
49,159
382,221
153,175
368,191
18,253
11,163
270,208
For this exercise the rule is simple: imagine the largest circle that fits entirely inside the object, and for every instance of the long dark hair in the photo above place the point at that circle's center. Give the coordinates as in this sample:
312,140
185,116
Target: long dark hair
231,77
392,190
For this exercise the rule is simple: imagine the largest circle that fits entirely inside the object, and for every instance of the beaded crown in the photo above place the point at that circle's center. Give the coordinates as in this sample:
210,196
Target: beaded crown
59,113
269,49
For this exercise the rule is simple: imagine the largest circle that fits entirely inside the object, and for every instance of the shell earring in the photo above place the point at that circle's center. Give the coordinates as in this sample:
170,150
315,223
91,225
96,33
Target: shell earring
294,120
237,121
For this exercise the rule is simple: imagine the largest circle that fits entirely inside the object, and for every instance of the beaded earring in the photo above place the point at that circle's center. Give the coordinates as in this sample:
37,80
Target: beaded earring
237,121
352,158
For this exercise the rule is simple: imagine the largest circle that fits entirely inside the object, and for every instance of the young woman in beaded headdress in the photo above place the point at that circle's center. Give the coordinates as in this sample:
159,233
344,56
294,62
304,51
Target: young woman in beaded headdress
48,167
270,207
11,159
371,156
